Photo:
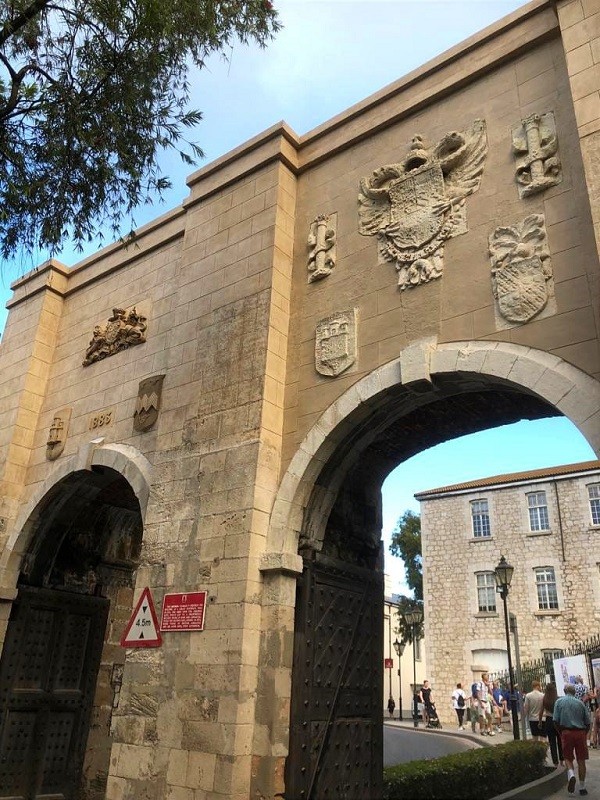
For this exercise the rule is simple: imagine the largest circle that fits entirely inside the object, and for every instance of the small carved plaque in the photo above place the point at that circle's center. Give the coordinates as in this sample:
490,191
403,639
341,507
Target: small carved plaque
101,419
536,147
125,328
57,435
335,344
522,280
148,403
413,207
321,247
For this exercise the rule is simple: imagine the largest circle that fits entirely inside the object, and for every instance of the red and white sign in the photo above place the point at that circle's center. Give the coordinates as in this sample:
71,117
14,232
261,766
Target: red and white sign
142,629
388,663
183,612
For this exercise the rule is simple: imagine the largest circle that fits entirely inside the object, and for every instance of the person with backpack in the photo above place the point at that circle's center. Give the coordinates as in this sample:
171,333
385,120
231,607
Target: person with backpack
459,702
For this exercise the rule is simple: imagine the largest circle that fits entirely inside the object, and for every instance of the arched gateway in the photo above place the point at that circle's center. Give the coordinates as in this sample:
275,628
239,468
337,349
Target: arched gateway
216,409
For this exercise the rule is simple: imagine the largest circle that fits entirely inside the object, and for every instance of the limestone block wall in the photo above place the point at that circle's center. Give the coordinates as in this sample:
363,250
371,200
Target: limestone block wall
455,629
454,91
213,282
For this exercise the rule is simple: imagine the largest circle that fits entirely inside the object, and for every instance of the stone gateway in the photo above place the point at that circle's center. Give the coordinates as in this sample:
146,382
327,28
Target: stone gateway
321,308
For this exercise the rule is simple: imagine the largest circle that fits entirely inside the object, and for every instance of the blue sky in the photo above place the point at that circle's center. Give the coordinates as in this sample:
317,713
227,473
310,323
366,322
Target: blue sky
330,55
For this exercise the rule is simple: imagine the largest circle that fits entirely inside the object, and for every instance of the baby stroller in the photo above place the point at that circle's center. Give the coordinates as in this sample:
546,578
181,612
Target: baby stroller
433,721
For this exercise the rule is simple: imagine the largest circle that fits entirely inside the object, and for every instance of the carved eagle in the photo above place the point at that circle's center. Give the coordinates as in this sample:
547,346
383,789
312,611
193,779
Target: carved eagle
460,155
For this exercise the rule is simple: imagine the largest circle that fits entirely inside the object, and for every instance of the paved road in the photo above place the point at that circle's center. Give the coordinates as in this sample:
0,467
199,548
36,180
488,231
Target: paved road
402,744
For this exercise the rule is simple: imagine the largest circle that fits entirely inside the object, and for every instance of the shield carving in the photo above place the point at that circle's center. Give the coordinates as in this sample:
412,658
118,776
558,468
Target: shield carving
335,343
521,289
414,221
148,403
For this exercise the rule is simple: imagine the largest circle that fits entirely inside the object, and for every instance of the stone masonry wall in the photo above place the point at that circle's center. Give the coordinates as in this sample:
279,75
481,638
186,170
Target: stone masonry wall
454,627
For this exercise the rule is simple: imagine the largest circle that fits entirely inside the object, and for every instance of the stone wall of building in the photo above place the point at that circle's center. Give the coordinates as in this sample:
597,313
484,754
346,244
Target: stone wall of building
462,640
272,315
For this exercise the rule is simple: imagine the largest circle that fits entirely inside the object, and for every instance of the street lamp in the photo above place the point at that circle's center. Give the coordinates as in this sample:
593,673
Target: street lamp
504,572
399,648
414,618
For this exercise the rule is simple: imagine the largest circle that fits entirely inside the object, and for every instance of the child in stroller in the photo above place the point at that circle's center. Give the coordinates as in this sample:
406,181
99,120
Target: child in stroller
433,721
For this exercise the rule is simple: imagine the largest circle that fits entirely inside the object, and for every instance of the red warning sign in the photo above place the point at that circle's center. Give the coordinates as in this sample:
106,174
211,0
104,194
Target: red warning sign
142,629
183,612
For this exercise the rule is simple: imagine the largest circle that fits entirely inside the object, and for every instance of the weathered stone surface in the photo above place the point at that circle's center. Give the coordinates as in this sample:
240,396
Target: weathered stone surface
253,447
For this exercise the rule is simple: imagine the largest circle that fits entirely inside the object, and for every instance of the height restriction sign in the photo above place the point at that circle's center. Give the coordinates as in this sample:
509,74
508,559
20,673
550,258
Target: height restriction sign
142,629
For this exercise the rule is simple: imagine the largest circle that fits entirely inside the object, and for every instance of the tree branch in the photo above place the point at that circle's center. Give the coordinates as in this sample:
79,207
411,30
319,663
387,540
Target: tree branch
10,27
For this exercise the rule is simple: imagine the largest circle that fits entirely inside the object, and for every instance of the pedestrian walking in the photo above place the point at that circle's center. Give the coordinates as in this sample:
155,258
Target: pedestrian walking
459,702
533,709
391,707
572,720
547,716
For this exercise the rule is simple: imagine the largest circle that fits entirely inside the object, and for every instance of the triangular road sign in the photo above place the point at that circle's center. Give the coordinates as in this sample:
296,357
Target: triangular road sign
142,629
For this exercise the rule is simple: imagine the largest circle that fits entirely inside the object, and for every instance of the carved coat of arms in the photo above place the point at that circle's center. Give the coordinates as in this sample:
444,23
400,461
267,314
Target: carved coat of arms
521,269
335,343
57,435
414,206
321,247
125,328
148,403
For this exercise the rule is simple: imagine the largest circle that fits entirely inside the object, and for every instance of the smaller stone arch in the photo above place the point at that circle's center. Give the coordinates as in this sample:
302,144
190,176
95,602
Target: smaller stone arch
122,458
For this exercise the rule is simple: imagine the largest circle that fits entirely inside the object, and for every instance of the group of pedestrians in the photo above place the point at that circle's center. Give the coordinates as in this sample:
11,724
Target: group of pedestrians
486,706
568,723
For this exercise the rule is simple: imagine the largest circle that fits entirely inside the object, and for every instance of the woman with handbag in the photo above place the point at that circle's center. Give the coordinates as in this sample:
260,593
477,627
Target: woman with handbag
546,715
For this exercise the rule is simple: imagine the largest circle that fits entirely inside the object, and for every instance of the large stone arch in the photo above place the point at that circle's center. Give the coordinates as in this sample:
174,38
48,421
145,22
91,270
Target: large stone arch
309,489
572,392
127,460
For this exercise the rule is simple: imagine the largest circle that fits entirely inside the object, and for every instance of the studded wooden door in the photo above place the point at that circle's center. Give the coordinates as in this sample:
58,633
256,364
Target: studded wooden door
336,732
48,675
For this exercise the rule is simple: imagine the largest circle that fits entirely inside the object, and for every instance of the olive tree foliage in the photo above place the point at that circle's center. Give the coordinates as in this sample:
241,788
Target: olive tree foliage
91,93
406,544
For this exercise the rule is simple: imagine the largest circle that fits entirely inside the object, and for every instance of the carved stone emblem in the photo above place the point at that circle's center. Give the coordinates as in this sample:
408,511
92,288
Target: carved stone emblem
57,435
413,207
335,344
521,271
321,247
148,403
125,328
536,147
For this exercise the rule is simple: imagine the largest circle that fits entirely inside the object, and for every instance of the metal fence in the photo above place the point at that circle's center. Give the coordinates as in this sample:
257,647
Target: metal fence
540,668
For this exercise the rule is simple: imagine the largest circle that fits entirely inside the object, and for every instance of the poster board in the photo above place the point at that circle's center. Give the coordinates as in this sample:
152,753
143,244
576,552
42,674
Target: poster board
567,669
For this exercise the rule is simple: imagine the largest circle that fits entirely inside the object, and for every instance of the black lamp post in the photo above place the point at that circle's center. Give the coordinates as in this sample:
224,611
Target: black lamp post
504,572
414,618
399,648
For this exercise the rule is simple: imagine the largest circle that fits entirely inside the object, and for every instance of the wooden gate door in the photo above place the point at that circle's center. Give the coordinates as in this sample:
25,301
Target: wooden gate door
48,675
336,732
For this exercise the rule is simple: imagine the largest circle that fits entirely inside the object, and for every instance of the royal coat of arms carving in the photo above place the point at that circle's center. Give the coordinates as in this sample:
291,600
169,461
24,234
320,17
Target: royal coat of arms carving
536,147
148,403
335,343
522,280
321,247
125,328
413,207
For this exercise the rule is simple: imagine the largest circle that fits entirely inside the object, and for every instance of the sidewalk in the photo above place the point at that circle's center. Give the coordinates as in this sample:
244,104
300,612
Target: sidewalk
592,781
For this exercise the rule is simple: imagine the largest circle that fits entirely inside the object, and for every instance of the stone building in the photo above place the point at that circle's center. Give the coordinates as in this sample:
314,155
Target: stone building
399,672
215,409
546,523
